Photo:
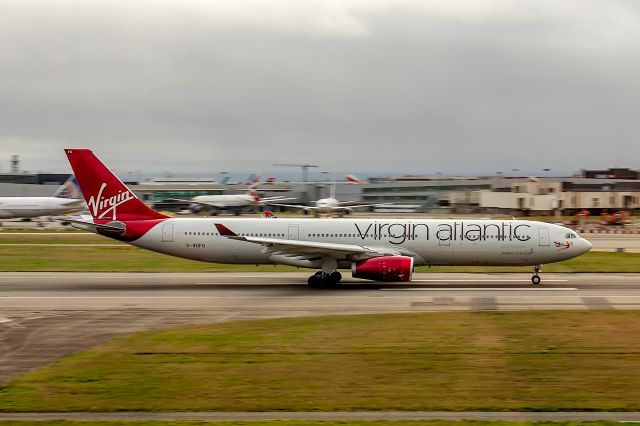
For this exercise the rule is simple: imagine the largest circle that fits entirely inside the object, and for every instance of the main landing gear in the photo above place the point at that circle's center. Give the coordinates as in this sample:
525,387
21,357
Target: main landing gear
328,276
535,279
323,279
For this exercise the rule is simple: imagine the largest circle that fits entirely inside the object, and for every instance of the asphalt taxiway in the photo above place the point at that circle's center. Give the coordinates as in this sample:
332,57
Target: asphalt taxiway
45,316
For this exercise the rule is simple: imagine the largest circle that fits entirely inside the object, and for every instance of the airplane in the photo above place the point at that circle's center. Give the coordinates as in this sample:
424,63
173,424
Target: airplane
618,218
68,198
235,203
331,205
385,250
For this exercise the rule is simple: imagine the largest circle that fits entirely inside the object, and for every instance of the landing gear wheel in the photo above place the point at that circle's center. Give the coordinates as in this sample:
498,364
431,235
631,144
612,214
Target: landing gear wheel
314,280
535,279
322,279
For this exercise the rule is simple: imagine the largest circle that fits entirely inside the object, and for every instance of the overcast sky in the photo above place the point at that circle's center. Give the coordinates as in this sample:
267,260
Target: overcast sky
378,86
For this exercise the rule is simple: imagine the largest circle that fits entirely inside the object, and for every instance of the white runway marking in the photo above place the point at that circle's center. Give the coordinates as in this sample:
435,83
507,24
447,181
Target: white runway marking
435,280
3,320
481,289
235,276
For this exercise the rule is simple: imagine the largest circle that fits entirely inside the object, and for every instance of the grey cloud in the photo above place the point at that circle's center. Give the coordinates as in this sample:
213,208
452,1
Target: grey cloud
379,86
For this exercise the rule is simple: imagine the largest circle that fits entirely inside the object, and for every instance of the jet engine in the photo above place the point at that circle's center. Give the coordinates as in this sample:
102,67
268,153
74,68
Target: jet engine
386,268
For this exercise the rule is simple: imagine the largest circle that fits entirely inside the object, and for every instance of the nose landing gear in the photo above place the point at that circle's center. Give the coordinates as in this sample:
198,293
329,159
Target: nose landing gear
535,279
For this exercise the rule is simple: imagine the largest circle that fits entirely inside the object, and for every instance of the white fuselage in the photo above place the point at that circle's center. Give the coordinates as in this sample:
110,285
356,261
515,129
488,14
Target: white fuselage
26,207
329,205
226,201
428,241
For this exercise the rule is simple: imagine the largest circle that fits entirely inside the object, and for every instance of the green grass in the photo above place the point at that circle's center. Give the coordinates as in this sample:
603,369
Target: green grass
588,262
501,361
297,423
109,259
132,259
62,238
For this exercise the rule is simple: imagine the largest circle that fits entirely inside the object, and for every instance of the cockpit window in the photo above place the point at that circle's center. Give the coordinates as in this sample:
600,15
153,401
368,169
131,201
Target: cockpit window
570,235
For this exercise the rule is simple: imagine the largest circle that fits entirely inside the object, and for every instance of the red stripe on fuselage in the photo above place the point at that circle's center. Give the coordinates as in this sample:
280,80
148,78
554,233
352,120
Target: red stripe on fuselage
134,229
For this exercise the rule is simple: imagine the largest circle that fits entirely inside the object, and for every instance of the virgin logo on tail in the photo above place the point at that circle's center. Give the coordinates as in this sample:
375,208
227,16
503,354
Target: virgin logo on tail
100,206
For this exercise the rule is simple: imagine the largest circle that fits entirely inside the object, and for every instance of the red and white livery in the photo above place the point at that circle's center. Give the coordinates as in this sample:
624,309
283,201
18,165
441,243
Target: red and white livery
374,249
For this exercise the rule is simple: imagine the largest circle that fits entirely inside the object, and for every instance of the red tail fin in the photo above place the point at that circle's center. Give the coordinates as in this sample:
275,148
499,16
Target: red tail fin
106,196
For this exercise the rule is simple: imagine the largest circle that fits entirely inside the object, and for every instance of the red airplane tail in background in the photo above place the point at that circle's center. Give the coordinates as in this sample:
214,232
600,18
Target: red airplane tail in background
107,197
353,179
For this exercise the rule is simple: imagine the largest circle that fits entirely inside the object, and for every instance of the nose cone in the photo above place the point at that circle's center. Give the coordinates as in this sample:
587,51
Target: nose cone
585,245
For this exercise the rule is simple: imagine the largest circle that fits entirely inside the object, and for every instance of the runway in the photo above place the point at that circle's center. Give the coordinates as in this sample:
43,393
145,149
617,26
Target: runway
45,316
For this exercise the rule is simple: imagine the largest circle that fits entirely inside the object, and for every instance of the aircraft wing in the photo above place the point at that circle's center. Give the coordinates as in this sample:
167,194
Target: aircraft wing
295,206
310,249
200,203
342,206
181,200
270,200
355,206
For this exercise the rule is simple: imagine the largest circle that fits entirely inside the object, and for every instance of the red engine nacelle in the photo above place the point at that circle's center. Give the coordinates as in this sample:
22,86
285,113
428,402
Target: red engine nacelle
388,268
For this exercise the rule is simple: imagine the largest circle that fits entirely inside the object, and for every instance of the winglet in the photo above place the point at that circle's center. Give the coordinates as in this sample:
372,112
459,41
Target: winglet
224,231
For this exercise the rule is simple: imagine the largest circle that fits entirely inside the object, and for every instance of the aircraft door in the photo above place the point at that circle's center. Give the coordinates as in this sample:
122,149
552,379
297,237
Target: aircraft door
294,232
167,232
543,237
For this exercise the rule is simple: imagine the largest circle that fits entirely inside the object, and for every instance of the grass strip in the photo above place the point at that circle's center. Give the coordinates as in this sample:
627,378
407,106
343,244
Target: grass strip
495,361
297,423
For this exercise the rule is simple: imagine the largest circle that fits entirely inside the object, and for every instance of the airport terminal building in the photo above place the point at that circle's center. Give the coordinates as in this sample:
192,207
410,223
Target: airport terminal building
599,191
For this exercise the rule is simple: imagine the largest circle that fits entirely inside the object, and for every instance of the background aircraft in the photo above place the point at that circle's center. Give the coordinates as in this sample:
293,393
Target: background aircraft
235,203
331,205
68,198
